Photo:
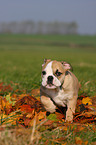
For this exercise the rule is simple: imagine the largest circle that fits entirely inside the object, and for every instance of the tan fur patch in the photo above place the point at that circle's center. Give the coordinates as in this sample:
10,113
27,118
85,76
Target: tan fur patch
57,65
46,64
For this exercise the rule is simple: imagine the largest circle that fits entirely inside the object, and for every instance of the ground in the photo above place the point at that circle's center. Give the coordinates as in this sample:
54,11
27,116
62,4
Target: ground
23,119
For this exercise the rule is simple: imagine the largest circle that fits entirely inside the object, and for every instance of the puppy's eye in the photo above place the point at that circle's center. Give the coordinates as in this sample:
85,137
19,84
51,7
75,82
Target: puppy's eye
43,72
58,73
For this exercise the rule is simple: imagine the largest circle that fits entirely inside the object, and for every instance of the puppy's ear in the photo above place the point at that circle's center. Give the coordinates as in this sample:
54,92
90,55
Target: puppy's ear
46,61
67,66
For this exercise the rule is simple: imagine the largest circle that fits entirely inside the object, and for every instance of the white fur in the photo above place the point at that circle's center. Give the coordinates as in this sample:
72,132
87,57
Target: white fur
49,72
59,97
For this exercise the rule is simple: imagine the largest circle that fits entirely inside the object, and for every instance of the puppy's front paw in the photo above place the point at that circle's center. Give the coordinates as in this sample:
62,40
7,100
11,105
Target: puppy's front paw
69,120
69,116
48,104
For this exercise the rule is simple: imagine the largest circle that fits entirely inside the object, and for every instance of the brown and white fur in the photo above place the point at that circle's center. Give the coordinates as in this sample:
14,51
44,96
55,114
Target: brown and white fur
59,87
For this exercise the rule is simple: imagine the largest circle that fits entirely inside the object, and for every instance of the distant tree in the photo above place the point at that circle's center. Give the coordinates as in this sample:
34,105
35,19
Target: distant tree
30,27
40,27
72,29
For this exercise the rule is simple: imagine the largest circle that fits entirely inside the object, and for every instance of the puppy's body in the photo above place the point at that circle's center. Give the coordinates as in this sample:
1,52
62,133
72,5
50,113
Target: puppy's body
61,90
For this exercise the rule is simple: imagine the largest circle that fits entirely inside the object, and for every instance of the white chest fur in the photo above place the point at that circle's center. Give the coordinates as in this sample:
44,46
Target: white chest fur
59,97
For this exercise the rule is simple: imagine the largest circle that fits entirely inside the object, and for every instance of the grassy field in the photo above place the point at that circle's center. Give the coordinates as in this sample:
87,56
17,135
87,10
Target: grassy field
21,57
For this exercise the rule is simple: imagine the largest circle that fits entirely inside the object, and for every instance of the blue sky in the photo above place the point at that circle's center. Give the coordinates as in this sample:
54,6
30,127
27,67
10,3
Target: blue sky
81,11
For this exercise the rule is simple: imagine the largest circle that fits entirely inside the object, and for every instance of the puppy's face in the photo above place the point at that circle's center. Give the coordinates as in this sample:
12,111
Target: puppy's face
53,73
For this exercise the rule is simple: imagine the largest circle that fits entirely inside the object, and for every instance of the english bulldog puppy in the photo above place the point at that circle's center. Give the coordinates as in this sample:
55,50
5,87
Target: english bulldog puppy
59,87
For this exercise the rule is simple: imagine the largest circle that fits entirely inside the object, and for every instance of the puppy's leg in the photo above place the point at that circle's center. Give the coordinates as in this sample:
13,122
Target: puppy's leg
71,109
48,104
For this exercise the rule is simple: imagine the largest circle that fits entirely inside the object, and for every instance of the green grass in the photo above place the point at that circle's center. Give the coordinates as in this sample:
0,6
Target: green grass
21,57
57,136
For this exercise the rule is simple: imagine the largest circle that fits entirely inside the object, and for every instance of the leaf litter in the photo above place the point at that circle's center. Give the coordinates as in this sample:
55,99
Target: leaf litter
24,111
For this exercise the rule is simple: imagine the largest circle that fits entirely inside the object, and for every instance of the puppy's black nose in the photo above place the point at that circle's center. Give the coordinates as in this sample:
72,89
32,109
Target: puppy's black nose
50,79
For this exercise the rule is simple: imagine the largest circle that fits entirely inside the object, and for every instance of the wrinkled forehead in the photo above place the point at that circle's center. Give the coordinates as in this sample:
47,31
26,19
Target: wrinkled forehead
56,65
52,66
48,68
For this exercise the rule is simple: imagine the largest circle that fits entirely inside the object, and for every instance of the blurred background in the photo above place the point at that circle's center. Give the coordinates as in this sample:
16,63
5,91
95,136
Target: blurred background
33,30
48,17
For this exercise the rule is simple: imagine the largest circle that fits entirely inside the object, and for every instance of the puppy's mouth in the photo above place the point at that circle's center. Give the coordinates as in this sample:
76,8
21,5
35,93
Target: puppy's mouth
50,82
50,86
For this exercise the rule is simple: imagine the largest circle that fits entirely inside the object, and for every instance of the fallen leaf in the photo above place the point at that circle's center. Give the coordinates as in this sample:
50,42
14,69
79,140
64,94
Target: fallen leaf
78,140
29,100
35,92
87,101
94,127
41,115
64,143
86,142
89,114
49,122
8,98
81,128
26,108
27,121
30,115
5,106
11,118
60,116
64,128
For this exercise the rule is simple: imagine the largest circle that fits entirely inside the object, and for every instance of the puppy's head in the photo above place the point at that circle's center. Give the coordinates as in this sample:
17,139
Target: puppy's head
53,73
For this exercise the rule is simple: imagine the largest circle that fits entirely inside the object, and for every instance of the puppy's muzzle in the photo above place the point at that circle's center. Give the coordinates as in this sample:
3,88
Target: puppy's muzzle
50,80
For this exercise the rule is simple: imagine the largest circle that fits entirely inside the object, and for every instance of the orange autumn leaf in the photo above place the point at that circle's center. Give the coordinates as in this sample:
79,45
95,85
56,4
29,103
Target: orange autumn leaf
48,123
86,142
41,115
64,143
4,103
35,92
60,116
64,128
31,114
5,106
87,101
26,108
11,118
90,114
23,95
5,88
29,100
27,121
81,128
78,140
